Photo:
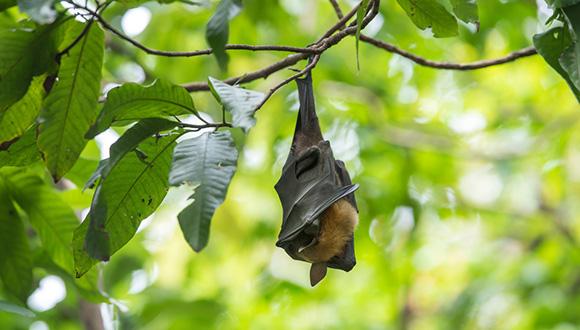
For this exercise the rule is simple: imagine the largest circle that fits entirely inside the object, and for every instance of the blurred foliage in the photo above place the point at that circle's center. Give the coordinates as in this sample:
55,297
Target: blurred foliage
470,183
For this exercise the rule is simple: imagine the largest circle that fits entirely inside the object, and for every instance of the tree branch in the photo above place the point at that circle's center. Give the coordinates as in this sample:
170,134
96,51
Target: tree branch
525,52
307,69
200,52
321,46
337,9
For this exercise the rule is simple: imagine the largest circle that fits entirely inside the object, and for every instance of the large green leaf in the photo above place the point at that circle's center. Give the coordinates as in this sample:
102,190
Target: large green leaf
570,62
132,190
97,242
129,142
15,257
208,160
51,217
240,102
22,114
25,52
132,102
430,14
550,45
70,108
218,29
466,10
20,152
570,58
41,11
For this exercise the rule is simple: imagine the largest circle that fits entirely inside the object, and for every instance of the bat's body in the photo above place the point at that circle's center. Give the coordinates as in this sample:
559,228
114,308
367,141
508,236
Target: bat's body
337,225
320,212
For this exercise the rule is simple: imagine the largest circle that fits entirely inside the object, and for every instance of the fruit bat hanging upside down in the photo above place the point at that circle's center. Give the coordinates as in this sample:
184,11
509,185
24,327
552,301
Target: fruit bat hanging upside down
317,196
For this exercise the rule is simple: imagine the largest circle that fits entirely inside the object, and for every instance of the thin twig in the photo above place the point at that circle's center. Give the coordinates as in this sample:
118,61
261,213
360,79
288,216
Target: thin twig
300,73
76,41
290,60
337,9
208,125
200,52
340,24
524,52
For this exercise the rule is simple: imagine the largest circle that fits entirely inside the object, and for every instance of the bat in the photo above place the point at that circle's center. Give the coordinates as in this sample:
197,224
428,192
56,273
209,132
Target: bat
317,196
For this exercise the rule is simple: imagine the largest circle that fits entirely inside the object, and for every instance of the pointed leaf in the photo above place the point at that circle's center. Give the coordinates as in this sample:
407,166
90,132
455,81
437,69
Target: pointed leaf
210,161
41,11
218,29
242,103
26,52
22,114
15,257
466,10
132,102
550,45
132,190
570,62
129,142
51,217
70,108
430,14
360,14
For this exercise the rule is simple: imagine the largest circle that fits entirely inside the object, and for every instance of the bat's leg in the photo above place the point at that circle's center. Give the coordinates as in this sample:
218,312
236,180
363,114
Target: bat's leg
345,181
317,273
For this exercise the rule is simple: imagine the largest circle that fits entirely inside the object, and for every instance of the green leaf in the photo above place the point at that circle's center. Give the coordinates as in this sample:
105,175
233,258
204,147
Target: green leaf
562,3
15,257
21,151
8,307
70,108
466,10
360,14
572,15
242,103
550,45
97,238
132,190
132,102
51,217
130,141
430,14
570,62
26,52
41,11
5,4
208,160
218,29
22,114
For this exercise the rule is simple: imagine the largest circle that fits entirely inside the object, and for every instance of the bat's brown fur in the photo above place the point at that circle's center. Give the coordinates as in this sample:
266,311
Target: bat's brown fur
337,223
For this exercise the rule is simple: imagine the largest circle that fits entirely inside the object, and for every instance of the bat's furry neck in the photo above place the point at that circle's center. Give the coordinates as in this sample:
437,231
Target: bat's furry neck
307,128
337,224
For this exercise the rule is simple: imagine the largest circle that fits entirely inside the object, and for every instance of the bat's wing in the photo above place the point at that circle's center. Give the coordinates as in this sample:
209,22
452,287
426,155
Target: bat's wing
305,192
347,260
344,178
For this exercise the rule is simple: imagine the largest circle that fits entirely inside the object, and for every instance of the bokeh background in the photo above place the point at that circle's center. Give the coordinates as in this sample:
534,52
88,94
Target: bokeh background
469,183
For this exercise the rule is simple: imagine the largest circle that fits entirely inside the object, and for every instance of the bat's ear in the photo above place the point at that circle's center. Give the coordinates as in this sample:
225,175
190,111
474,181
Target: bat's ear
317,273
